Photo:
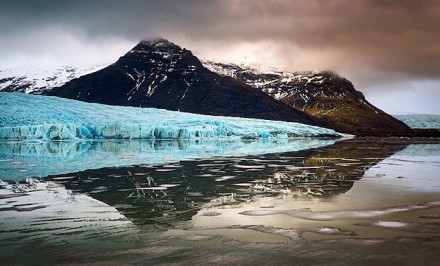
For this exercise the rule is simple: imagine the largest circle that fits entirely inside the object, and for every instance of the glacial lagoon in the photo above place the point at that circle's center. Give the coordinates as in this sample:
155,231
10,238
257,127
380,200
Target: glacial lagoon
296,201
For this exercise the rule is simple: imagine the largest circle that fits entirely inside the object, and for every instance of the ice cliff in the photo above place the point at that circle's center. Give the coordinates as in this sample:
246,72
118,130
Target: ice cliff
34,117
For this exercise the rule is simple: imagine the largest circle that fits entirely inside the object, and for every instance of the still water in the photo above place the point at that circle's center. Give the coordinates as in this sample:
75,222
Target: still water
298,202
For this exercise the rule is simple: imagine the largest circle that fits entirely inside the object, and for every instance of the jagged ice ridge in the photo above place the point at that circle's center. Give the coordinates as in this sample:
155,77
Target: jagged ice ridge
34,117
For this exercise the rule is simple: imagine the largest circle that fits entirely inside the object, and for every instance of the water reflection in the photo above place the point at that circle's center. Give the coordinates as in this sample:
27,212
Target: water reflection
322,205
167,194
19,160
46,215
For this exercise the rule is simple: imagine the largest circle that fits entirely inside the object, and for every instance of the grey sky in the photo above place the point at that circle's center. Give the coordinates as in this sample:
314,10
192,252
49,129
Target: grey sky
389,49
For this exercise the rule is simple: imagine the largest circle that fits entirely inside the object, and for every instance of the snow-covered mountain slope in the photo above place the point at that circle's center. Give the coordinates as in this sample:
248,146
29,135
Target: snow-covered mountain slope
25,116
321,94
420,120
161,74
301,87
39,79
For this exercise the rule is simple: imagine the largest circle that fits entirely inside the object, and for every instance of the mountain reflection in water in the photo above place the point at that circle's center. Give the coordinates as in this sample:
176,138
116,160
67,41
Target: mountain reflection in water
164,194
330,201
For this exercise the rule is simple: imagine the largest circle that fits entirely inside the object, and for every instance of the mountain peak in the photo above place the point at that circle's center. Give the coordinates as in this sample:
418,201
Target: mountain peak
160,74
158,44
155,42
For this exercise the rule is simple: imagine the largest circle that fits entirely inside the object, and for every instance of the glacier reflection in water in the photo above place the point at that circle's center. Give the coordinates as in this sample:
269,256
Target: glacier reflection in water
39,159
164,195
330,205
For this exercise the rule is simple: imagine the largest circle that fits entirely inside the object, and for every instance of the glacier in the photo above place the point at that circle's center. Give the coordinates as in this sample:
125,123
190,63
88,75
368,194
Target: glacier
35,117
427,121
22,159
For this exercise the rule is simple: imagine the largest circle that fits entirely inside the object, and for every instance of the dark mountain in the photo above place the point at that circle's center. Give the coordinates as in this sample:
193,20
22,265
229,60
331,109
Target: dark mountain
161,74
323,95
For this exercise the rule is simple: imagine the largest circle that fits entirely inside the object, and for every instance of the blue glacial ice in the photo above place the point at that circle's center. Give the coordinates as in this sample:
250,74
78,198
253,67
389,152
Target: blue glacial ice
21,159
34,117
420,120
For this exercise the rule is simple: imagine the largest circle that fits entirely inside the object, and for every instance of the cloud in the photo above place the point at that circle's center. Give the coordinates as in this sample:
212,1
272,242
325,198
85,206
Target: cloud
397,36
371,42
56,47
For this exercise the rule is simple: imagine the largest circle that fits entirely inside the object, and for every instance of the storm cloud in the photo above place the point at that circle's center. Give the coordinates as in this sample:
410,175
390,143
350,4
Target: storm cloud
383,46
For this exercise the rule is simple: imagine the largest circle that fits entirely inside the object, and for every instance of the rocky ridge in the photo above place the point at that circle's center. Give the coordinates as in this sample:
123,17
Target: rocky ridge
321,94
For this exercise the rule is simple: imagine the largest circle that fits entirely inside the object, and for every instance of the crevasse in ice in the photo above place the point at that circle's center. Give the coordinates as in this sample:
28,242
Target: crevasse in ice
33,117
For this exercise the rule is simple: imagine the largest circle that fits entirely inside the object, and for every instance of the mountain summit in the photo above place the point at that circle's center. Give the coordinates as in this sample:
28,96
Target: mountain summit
160,74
